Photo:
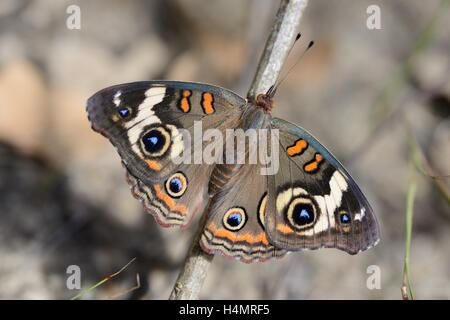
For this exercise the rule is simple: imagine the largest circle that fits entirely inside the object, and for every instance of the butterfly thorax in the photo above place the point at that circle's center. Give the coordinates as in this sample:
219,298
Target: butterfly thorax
265,102
253,119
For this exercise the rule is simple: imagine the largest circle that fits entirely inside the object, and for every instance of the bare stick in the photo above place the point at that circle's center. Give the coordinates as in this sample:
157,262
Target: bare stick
284,30
278,45
193,273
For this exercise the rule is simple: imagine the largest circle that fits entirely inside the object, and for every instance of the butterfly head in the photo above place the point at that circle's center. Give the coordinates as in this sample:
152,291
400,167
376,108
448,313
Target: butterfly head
265,100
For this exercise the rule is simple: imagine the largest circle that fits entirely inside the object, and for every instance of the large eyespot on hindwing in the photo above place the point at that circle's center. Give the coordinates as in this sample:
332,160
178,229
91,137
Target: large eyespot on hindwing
176,185
155,141
301,213
234,219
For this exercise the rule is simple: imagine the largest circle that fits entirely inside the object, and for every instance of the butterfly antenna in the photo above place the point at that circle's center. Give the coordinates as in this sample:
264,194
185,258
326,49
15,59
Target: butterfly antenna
272,88
275,86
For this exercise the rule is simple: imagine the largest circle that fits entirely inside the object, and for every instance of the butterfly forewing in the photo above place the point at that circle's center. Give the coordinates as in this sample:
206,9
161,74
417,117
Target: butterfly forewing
313,201
143,120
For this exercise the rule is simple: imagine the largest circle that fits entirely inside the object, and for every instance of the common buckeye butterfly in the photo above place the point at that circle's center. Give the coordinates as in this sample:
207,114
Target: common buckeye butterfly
309,203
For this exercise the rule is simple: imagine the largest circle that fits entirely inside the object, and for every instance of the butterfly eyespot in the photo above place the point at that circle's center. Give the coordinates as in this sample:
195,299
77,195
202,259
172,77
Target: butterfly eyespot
234,219
176,185
301,213
345,221
124,112
156,141
344,217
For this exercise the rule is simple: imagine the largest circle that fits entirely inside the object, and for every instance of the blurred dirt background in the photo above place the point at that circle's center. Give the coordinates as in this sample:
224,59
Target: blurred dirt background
63,197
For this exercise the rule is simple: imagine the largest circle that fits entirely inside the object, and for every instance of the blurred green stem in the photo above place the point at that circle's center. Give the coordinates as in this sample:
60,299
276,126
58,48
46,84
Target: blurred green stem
407,291
406,286
85,291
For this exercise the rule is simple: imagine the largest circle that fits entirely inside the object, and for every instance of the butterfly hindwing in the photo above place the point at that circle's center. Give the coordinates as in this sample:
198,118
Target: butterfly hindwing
175,200
235,225
235,221
313,201
143,120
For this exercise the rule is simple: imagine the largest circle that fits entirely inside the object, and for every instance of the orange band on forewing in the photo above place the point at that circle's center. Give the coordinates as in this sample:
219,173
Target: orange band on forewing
170,203
208,103
311,166
185,104
284,229
314,164
298,148
246,237
154,165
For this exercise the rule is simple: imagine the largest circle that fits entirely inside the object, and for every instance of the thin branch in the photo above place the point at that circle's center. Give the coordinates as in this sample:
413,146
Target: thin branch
106,279
424,166
135,287
284,30
193,273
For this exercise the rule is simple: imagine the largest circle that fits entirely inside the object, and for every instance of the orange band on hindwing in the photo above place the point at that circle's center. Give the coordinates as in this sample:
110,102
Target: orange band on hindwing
284,229
207,103
297,148
234,237
313,165
185,102
169,202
